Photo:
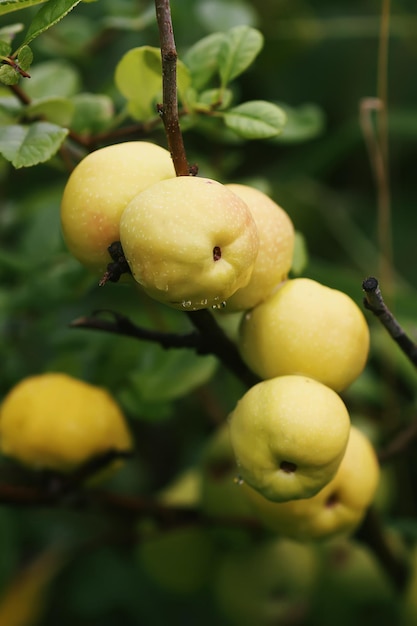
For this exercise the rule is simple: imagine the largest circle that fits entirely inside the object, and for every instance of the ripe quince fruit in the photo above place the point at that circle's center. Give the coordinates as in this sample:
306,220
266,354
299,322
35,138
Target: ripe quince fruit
56,422
189,241
289,435
276,246
337,509
99,189
306,328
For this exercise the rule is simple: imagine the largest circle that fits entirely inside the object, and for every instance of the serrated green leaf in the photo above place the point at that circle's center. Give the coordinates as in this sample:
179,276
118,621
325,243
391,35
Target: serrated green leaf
55,110
25,58
8,75
238,51
25,146
48,15
5,48
202,59
256,119
7,6
138,77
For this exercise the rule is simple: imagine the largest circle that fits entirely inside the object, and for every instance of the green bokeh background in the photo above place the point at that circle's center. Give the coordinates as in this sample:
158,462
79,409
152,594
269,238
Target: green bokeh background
320,53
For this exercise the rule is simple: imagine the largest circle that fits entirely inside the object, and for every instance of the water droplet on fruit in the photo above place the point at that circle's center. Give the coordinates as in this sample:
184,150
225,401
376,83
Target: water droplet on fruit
186,304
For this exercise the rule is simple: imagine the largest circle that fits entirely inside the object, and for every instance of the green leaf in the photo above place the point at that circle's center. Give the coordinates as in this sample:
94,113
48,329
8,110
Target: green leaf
56,110
238,51
8,75
5,48
202,59
25,146
48,15
217,99
138,77
300,255
7,6
256,119
25,58
10,109
218,15
52,78
92,112
303,123
167,376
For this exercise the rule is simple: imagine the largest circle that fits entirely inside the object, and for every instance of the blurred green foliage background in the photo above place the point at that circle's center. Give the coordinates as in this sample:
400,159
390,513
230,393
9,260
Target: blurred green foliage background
320,57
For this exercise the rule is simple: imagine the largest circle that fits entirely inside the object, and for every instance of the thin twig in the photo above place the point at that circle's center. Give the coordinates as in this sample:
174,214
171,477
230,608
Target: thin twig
209,338
169,108
374,302
121,325
125,506
217,342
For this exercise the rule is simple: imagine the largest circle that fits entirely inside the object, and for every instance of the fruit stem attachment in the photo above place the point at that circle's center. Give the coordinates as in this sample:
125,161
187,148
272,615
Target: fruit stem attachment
169,108
117,267
374,302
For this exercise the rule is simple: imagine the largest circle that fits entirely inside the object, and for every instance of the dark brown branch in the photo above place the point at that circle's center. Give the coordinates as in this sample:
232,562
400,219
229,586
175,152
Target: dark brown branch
215,341
374,302
210,338
20,94
121,325
169,109
125,506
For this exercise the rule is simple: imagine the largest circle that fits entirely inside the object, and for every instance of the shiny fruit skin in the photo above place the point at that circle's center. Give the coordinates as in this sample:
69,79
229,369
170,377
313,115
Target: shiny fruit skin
99,189
337,509
276,246
306,328
289,435
189,241
56,422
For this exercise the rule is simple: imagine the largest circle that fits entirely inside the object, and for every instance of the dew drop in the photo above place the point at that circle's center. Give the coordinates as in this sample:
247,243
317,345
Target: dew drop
186,304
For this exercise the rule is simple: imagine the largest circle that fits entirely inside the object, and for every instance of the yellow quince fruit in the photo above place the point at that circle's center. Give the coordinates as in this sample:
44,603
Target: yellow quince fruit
289,435
189,241
306,328
56,422
99,189
276,246
337,509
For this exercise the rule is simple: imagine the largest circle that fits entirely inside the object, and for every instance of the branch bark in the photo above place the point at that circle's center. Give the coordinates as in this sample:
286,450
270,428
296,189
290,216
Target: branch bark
208,339
374,302
169,108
